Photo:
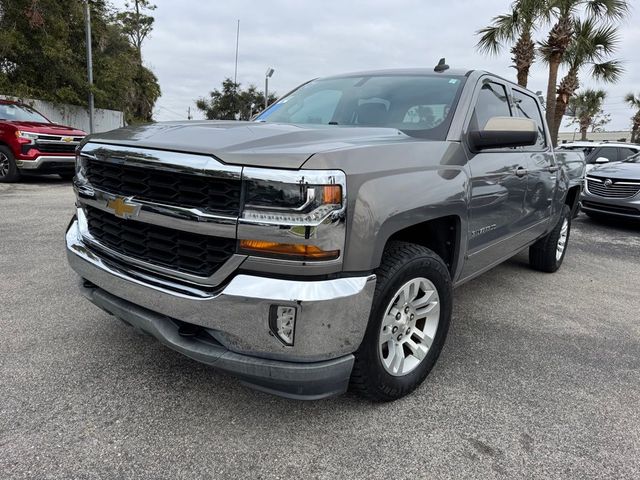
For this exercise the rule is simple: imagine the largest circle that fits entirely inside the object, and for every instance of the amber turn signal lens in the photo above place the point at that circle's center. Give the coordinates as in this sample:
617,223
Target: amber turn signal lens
288,250
332,195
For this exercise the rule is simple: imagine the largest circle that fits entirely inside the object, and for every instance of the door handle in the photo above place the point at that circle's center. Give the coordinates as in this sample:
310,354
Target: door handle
521,172
554,168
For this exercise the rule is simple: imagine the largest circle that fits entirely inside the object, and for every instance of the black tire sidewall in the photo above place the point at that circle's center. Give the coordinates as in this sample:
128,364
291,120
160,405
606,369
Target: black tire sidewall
432,269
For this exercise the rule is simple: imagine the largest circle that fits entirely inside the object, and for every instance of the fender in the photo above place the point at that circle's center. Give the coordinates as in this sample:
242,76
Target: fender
385,195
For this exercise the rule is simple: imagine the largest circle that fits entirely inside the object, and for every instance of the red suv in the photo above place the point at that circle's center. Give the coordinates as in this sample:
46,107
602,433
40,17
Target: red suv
30,143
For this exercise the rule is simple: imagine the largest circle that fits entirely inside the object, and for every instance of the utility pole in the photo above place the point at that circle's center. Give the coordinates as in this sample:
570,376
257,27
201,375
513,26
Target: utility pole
235,72
87,25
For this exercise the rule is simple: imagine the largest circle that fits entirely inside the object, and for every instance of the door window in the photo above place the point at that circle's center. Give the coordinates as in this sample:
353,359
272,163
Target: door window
492,102
627,152
610,153
527,107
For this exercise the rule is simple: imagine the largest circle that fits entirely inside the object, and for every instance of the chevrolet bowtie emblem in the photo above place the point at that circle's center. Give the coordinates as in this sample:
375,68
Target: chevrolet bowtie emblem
123,207
67,139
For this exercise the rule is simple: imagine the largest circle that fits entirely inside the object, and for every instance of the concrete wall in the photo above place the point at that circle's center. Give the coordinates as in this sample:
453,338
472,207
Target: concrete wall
75,116
613,136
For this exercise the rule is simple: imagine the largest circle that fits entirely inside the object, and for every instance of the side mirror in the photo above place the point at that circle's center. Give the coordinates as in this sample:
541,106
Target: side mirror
602,160
501,132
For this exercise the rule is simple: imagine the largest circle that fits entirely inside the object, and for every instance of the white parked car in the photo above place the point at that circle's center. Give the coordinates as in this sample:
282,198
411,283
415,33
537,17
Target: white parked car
597,153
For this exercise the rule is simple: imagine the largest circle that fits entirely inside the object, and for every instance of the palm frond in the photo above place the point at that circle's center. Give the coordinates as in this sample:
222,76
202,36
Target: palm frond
503,28
632,100
609,71
587,103
608,9
592,43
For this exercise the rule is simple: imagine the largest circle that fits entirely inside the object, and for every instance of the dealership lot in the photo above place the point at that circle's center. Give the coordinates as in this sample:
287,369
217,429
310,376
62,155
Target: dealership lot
539,378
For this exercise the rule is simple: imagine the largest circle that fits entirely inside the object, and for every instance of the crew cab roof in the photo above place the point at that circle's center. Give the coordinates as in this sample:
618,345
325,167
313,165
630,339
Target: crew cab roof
404,71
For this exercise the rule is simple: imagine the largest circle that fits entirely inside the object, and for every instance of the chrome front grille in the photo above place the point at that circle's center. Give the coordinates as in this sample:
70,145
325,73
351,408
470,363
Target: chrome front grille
57,144
212,194
170,213
611,188
181,251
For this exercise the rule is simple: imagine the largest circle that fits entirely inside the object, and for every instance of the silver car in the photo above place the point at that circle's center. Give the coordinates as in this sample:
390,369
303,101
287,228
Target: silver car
613,190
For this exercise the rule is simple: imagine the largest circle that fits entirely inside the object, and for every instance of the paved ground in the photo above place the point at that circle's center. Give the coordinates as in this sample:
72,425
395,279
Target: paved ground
540,378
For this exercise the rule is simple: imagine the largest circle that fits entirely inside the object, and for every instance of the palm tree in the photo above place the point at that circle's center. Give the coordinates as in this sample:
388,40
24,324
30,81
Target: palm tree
591,46
561,35
585,106
516,28
634,102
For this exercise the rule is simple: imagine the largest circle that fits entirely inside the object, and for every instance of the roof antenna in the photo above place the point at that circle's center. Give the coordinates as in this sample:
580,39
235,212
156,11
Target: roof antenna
441,67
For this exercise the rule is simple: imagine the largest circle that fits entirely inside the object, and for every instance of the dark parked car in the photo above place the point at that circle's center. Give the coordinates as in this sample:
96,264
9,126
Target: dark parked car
613,190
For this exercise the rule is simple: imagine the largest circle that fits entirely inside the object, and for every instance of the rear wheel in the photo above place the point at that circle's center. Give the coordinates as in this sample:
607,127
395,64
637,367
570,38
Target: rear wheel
8,170
408,323
548,253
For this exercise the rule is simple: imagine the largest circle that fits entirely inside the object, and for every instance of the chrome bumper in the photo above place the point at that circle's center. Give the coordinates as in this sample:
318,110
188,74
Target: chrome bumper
331,321
42,161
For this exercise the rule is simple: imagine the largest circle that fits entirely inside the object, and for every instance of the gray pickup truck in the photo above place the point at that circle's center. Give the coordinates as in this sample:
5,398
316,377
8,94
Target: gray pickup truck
316,248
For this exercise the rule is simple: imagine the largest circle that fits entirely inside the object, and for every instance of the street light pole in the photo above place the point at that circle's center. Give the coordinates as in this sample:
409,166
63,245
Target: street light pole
87,24
267,76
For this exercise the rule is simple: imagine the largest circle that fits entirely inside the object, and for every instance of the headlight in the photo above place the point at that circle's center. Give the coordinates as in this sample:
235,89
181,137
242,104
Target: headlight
293,215
290,203
26,137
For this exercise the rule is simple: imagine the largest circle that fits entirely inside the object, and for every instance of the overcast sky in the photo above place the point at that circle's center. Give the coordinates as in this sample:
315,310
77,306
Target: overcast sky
192,47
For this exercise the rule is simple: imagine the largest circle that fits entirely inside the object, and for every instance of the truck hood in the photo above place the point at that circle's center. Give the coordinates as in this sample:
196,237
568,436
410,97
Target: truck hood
617,170
249,143
46,128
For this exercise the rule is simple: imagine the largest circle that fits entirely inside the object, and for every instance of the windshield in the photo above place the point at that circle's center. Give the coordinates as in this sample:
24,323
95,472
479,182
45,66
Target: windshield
418,105
633,158
20,113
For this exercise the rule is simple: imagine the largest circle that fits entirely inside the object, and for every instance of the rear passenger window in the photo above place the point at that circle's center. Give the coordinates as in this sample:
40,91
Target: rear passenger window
626,153
527,107
492,102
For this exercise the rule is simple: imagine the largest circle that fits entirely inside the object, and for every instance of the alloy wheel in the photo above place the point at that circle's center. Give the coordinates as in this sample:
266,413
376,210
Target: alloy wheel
4,165
562,239
409,326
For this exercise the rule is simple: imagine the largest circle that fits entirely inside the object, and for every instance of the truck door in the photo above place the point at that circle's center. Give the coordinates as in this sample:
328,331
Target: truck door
541,170
498,186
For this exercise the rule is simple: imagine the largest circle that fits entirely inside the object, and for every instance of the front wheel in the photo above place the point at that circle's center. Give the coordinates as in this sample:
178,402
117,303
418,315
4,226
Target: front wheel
548,253
408,323
8,169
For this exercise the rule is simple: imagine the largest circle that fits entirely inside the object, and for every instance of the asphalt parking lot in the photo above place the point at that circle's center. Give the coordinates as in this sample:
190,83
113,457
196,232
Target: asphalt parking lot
540,378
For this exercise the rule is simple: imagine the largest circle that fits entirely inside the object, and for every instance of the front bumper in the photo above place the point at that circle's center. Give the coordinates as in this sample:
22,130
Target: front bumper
331,321
617,207
48,164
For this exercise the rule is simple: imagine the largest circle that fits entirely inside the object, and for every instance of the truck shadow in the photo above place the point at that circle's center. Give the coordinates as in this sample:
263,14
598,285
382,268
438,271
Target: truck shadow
44,180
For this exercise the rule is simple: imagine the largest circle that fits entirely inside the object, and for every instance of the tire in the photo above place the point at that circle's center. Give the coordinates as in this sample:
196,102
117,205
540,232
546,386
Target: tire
403,264
548,253
66,176
8,170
